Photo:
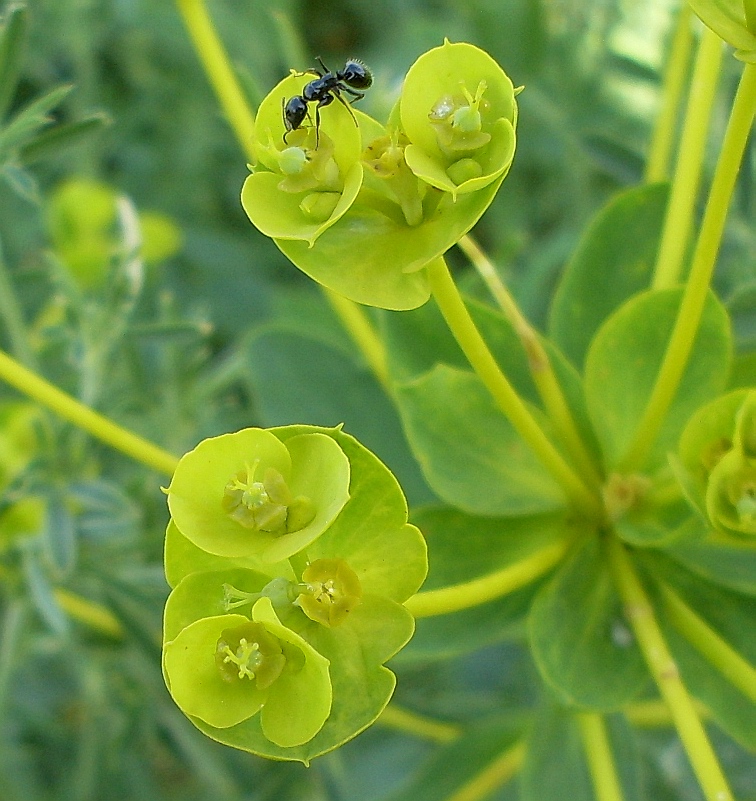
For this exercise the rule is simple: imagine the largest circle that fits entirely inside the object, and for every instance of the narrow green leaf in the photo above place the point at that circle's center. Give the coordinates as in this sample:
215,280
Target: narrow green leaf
21,181
52,141
12,42
30,119
41,591
469,452
612,262
59,538
579,638
624,360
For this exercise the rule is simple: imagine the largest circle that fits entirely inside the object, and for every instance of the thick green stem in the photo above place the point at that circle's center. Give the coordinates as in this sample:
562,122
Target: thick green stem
65,406
487,588
598,752
689,316
493,776
475,349
219,71
737,670
675,74
685,183
539,363
420,726
640,615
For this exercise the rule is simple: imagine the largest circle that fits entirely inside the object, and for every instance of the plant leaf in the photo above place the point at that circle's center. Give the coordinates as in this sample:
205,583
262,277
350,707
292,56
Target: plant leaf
624,360
612,262
470,454
579,639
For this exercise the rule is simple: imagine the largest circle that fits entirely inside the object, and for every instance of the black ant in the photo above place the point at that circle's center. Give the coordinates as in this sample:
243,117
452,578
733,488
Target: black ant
326,88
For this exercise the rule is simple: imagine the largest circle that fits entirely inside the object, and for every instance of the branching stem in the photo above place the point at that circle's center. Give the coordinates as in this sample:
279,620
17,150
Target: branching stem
539,363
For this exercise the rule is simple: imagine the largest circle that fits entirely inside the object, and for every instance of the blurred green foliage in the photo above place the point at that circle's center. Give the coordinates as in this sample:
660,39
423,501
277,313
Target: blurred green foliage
223,333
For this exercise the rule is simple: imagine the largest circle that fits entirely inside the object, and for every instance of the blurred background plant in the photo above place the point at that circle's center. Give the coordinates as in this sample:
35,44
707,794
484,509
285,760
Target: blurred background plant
131,278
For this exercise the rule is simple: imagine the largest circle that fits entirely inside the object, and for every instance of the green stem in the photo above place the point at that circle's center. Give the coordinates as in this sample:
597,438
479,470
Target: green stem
493,776
539,363
697,287
640,615
34,386
675,74
598,752
487,588
475,349
685,183
364,335
737,670
219,71
411,723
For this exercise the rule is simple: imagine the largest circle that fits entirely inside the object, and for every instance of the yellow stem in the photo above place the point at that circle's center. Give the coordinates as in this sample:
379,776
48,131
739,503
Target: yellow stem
640,615
82,416
737,670
493,776
687,178
487,588
475,349
676,72
411,723
541,370
598,752
219,71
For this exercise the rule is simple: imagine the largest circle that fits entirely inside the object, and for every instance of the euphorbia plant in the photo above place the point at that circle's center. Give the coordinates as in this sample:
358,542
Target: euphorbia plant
597,487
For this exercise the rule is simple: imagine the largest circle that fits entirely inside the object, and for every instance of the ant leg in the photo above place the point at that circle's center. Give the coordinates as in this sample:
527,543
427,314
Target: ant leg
325,69
337,95
354,93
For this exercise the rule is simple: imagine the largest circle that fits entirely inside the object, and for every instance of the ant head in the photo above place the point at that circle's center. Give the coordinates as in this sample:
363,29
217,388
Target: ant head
356,74
294,112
